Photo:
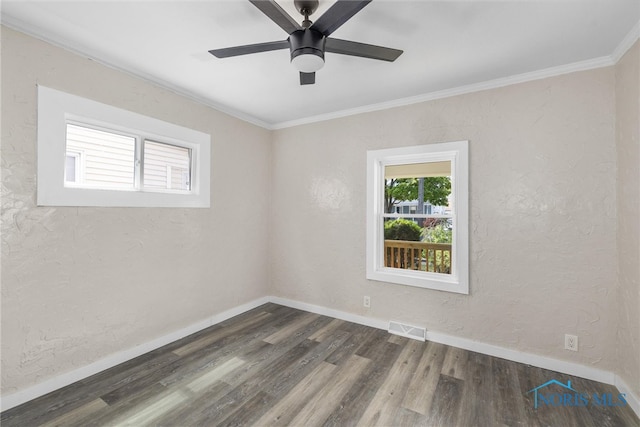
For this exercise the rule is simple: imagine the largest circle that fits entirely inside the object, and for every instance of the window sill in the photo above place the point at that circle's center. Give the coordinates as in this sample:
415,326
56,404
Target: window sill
420,279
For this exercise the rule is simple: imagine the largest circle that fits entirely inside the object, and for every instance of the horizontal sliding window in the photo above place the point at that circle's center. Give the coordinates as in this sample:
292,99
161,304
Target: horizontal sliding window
92,154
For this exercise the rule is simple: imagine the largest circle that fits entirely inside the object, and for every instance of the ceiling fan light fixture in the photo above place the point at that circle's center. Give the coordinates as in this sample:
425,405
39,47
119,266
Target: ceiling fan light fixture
308,62
307,50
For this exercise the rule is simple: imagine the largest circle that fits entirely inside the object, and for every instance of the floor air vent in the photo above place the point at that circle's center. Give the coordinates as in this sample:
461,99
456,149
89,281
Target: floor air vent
408,331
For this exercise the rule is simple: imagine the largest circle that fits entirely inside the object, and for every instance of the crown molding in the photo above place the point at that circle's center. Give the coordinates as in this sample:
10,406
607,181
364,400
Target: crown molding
626,43
590,64
23,27
604,61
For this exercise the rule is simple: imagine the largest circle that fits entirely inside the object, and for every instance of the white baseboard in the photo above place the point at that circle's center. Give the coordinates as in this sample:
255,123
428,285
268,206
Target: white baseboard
570,368
565,367
631,398
62,380
342,315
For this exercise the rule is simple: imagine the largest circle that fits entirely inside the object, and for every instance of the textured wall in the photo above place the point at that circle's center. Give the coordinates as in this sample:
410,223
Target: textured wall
542,215
627,73
79,284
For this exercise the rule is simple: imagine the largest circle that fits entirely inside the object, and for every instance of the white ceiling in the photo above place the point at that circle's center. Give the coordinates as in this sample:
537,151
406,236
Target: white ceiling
448,46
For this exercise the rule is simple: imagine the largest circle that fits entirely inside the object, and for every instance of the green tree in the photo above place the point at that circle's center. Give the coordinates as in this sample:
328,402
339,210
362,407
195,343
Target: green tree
437,230
436,191
437,233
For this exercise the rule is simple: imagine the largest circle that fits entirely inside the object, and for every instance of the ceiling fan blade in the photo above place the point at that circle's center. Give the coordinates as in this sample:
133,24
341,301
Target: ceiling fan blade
338,14
346,47
277,15
307,78
249,48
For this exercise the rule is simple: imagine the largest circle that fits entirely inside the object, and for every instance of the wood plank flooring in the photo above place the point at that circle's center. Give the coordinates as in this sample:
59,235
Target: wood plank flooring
277,366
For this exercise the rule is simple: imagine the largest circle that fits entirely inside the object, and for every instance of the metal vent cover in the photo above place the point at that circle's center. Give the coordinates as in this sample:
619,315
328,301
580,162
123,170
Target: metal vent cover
409,331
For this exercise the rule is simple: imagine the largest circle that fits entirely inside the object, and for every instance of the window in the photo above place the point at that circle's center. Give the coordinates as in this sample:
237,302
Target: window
113,157
425,247
101,159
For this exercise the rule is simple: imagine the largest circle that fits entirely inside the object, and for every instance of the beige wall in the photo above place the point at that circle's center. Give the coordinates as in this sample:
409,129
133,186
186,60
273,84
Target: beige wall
542,215
79,284
627,73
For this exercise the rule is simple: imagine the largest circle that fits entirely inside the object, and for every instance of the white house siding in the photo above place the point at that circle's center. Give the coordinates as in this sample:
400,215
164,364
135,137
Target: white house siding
105,159
97,158
166,166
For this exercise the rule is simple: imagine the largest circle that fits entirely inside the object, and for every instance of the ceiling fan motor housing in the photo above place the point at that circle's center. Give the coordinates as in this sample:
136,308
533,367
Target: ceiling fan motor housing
307,42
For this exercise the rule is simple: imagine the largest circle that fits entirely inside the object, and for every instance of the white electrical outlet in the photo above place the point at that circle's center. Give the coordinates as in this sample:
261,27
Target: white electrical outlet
571,342
367,302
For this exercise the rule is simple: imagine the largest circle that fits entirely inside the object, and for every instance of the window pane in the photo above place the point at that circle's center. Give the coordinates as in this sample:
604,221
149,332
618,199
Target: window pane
422,244
101,159
70,167
167,166
413,185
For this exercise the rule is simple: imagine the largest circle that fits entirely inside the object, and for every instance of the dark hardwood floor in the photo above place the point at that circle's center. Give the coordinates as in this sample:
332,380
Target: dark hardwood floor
276,365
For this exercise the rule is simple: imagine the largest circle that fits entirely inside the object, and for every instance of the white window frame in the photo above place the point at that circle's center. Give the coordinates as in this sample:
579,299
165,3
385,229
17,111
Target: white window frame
456,152
56,109
78,159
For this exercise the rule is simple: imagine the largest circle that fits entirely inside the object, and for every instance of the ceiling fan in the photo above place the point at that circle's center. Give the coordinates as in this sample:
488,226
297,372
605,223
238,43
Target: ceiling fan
309,41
